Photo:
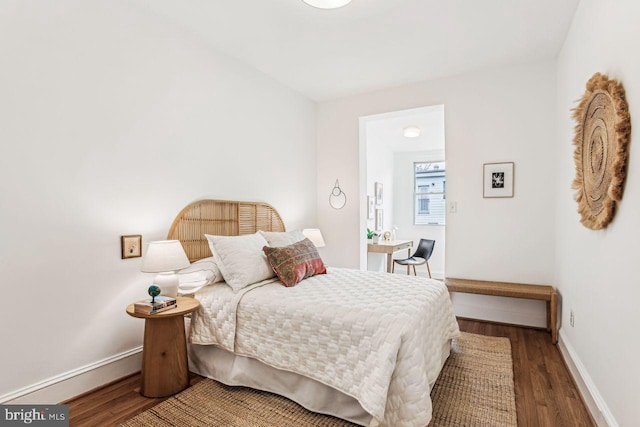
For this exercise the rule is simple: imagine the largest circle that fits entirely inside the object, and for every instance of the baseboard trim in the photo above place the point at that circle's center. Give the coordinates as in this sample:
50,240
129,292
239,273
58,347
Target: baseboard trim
77,381
590,395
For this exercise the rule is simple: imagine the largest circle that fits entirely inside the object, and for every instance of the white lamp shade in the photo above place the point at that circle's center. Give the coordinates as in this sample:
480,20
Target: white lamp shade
163,256
315,236
327,4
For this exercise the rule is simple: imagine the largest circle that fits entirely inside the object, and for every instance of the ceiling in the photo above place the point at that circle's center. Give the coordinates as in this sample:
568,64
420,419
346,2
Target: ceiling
384,131
373,44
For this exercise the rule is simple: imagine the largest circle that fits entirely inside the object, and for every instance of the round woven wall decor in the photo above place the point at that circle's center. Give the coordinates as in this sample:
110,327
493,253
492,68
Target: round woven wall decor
602,135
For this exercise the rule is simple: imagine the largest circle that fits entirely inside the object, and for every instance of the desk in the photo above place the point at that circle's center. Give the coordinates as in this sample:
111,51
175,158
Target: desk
389,247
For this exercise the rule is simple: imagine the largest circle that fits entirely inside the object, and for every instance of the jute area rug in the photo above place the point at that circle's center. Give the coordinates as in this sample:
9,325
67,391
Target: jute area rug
475,388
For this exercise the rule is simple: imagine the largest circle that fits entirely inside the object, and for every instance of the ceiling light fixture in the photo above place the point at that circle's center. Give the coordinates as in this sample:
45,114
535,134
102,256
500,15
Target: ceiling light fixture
411,132
327,4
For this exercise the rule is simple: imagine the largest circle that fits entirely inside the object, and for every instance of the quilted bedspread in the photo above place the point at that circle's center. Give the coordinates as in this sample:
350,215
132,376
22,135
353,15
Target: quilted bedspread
374,336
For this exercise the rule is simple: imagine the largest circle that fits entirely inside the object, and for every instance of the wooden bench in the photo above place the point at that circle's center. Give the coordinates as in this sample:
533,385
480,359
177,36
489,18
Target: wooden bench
513,290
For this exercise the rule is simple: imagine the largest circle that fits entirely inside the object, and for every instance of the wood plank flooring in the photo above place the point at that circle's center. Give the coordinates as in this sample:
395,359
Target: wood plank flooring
545,393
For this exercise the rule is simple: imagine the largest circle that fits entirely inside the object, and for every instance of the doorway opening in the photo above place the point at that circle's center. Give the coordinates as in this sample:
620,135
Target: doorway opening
403,184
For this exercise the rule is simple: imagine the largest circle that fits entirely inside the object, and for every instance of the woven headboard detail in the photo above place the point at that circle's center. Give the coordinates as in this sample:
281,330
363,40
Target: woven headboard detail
221,218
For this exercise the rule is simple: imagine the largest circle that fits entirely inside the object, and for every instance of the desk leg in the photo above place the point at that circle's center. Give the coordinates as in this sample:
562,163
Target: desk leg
389,262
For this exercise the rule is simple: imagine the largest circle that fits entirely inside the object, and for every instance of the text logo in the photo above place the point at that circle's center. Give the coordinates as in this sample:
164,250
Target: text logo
34,415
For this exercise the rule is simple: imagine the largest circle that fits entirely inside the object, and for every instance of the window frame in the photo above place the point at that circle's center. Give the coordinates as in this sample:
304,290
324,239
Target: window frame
416,193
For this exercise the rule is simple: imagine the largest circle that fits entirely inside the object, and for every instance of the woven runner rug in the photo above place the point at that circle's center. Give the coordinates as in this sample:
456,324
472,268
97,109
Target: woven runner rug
475,388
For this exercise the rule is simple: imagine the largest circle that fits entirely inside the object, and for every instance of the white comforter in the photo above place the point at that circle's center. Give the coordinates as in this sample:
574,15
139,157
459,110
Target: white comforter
373,336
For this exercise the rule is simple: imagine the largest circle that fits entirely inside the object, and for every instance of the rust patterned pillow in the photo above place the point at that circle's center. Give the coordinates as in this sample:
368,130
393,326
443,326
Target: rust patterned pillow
295,262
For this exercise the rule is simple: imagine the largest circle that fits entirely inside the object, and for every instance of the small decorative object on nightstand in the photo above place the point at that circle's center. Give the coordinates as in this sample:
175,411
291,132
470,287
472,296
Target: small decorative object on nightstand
154,291
165,369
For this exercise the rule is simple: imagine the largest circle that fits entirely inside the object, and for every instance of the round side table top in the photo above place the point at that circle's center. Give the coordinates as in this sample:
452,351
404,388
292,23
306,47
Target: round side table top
184,305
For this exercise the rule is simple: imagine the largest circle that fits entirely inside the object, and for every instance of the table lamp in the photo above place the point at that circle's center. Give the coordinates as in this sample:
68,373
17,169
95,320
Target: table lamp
315,236
165,257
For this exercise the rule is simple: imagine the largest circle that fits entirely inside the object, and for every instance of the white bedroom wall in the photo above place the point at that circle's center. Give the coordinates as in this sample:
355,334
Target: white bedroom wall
379,169
500,114
597,270
113,119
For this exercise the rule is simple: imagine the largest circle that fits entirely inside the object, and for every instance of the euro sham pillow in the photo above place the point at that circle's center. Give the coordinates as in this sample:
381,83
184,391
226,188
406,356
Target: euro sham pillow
278,239
296,262
240,259
199,274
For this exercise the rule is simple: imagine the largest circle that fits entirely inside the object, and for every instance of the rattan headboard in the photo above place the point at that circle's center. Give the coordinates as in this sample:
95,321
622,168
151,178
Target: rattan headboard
221,218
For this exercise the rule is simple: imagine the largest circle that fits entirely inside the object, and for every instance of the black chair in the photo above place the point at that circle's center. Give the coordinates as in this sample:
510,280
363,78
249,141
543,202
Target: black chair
420,256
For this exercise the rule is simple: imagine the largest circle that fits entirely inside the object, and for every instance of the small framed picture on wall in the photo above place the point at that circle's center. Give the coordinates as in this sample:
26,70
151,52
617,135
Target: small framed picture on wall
378,189
370,207
498,180
131,246
379,219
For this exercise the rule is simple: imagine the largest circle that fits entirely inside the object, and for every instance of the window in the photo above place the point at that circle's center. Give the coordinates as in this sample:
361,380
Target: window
429,193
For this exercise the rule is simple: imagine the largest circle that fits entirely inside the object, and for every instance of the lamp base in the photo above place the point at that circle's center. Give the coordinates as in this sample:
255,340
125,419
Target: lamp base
168,284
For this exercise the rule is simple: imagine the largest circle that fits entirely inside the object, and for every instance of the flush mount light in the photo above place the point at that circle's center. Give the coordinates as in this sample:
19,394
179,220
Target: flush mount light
327,4
411,132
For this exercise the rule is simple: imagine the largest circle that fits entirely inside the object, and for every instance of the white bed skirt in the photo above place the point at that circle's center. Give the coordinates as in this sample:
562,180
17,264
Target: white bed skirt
226,367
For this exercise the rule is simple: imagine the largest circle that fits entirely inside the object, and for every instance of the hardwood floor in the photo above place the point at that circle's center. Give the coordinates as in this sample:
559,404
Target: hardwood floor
113,403
545,393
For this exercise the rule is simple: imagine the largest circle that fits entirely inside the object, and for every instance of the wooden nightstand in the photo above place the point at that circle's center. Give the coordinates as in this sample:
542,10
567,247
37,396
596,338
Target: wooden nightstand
165,368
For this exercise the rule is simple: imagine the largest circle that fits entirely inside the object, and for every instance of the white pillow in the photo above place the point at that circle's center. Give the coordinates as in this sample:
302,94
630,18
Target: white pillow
240,259
278,239
199,274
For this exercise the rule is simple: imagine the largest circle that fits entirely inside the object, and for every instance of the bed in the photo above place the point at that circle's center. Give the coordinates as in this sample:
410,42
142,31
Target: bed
362,346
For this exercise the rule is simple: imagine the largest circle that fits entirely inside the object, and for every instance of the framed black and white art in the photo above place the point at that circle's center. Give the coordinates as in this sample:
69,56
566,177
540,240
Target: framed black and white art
498,180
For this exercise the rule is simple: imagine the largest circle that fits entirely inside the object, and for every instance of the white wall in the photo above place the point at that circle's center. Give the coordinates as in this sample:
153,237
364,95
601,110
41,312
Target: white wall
597,271
500,114
379,169
113,120
403,208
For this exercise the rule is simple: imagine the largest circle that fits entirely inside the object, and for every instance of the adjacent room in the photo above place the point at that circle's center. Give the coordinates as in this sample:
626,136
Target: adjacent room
320,212
405,188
